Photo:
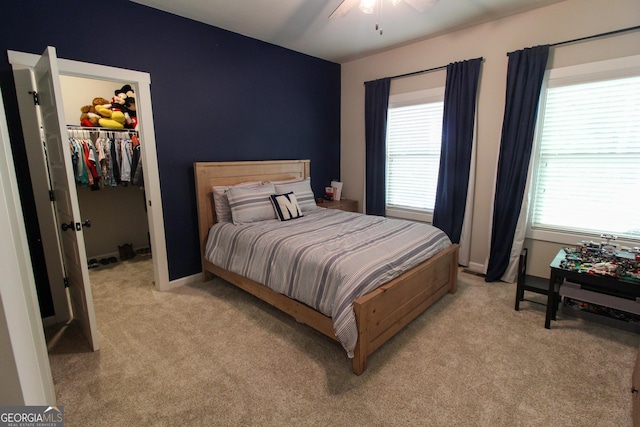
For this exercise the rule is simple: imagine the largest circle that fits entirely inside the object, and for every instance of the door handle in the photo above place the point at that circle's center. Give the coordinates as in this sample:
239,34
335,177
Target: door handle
87,224
69,226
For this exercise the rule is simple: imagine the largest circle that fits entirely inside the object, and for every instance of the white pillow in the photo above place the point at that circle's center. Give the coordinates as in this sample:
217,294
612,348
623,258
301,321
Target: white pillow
303,192
251,204
221,202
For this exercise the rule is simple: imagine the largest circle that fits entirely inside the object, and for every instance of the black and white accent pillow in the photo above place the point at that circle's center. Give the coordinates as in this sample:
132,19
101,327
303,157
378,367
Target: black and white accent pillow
286,206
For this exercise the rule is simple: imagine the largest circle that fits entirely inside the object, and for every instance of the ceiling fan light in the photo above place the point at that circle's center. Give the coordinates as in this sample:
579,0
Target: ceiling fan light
367,6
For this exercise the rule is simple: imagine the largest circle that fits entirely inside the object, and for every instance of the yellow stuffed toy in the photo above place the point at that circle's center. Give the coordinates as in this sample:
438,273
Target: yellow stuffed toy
110,119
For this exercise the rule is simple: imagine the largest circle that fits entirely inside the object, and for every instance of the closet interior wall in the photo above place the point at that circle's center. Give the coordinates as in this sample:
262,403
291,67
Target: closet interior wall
117,214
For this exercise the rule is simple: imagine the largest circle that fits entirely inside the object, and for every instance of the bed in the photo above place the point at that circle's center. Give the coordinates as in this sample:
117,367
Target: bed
379,314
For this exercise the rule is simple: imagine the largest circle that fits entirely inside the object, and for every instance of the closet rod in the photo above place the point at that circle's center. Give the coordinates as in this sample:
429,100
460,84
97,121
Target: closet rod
442,67
595,36
99,129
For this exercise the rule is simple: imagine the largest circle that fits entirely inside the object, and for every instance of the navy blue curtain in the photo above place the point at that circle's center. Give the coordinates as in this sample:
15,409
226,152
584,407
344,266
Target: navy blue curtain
524,83
457,141
376,105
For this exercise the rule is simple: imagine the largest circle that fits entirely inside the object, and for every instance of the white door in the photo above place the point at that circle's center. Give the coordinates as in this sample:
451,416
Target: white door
66,199
142,81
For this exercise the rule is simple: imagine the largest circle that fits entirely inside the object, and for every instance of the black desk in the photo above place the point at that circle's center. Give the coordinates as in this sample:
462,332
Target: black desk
595,282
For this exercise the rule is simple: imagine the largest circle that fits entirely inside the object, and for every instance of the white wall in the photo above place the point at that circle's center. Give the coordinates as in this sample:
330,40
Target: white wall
78,92
117,217
563,21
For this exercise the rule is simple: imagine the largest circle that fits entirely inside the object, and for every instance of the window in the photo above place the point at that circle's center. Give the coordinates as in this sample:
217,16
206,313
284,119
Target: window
586,177
414,137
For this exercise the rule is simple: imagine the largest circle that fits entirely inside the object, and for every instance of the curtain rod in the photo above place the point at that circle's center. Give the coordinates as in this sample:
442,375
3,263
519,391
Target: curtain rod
595,36
610,33
442,67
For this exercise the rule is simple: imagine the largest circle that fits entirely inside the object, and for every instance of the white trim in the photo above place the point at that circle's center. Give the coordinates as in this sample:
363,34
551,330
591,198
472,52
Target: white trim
612,68
417,97
476,266
17,288
571,239
141,82
23,60
413,215
194,278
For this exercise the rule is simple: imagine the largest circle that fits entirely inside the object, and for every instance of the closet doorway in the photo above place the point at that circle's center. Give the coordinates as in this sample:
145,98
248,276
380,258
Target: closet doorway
115,202
26,74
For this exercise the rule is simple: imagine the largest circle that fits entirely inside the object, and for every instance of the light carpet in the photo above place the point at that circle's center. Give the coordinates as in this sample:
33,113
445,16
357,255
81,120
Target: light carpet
211,354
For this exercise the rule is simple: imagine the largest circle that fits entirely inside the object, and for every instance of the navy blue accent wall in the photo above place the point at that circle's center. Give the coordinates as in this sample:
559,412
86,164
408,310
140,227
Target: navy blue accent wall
217,96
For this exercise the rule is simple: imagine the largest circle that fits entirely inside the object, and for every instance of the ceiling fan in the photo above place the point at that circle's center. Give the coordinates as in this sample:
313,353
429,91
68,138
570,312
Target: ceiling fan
369,6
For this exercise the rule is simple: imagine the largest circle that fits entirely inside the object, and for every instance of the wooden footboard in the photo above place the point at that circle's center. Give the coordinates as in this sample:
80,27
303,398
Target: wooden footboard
380,314
385,311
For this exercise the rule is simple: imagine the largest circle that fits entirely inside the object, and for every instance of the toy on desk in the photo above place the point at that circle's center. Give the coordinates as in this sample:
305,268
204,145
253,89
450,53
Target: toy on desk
592,258
608,246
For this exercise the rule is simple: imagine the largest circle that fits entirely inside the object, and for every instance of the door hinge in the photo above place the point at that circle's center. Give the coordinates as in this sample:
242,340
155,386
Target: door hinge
36,99
52,196
66,282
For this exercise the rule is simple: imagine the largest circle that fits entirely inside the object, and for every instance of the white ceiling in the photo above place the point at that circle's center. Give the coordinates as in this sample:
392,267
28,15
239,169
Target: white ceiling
303,25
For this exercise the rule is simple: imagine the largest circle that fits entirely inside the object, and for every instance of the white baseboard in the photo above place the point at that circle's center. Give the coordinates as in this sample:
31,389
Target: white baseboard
109,255
115,254
194,278
474,266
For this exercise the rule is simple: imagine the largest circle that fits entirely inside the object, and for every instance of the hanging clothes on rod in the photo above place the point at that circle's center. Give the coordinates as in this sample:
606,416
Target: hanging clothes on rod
136,164
105,158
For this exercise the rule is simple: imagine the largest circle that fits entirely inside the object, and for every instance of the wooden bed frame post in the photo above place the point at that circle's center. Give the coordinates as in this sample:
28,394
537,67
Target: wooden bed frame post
454,271
361,351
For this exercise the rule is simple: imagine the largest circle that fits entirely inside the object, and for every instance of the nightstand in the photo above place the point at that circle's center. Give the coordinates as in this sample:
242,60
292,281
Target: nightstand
342,204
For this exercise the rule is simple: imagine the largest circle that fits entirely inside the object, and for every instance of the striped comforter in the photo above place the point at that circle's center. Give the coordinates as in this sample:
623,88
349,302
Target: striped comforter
326,259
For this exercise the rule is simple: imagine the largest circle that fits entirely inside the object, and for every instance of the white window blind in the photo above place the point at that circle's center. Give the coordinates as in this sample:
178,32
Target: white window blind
414,134
587,178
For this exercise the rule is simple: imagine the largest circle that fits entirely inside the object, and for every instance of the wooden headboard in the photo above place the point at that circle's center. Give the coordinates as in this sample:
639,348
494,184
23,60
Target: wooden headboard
209,174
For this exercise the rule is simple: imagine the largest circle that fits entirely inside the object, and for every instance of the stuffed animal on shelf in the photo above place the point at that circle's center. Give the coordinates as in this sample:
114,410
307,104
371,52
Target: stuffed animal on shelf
119,113
132,121
119,99
89,117
124,100
110,118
